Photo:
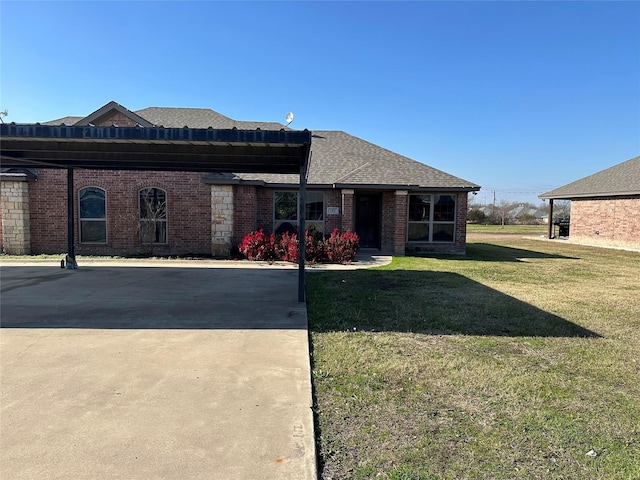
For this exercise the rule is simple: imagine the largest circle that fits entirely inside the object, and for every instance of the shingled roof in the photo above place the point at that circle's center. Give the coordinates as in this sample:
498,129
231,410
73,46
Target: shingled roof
338,160
620,180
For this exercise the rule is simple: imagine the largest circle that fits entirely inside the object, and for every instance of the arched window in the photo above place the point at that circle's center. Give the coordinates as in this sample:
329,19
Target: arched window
153,215
93,215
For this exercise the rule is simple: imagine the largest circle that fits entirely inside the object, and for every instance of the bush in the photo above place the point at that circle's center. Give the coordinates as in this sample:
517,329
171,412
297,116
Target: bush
338,248
288,247
341,247
259,246
476,216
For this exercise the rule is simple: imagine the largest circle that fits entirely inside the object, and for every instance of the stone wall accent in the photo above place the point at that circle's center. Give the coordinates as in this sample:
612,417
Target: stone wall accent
16,219
221,220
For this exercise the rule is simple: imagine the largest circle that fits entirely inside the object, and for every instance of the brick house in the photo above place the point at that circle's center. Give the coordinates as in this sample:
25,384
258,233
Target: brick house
605,206
396,204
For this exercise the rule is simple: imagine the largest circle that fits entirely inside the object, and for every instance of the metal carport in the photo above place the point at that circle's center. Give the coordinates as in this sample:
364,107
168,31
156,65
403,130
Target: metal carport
160,149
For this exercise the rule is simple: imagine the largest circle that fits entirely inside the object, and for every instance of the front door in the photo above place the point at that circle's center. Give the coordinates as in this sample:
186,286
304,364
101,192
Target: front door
367,219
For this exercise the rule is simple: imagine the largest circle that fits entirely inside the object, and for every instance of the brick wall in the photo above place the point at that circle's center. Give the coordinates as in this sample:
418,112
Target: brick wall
401,199
188,212
613,220
333,198
388,221
348,210
264,210
245,212
1,230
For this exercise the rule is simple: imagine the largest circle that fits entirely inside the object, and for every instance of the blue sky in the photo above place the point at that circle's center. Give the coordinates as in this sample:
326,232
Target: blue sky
518,97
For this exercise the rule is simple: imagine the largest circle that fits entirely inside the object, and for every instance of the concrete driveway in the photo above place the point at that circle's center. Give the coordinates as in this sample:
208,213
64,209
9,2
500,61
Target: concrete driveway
148,371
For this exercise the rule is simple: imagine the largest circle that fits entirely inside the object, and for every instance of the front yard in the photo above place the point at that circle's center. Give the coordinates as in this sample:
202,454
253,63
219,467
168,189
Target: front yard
519,360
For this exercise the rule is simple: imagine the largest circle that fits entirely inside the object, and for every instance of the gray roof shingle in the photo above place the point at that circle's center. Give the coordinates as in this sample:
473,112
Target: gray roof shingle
342,160
337,159
619,180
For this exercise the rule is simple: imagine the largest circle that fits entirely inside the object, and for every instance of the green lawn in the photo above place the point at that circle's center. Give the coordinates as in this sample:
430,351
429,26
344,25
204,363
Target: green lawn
514,361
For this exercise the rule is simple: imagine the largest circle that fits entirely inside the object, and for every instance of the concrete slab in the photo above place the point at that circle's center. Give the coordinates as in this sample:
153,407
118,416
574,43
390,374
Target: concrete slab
143,372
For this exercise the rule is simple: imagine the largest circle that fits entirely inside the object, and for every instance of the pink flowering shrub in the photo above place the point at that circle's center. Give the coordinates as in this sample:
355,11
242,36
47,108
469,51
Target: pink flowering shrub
337,248
341,247
288,247
259,246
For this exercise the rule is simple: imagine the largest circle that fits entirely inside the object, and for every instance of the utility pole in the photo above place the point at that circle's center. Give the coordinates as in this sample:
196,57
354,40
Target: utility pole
493,205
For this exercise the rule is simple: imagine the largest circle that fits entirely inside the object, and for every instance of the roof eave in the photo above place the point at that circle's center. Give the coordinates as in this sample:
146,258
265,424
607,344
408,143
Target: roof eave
569,196
412,187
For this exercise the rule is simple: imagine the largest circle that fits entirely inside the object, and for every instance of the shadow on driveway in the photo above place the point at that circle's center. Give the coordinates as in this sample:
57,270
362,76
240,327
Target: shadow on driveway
150,298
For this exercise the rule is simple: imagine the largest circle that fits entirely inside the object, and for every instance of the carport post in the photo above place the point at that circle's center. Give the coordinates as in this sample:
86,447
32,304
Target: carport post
550,218
71,254
302,227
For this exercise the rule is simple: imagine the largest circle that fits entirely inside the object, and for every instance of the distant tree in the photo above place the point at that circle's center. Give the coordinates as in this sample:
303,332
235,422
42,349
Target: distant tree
476,216
527,219
561,209
501,212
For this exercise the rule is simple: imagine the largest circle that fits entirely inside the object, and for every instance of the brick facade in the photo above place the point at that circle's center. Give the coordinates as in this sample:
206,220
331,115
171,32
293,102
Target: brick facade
188,212
348,211
612,221
202,219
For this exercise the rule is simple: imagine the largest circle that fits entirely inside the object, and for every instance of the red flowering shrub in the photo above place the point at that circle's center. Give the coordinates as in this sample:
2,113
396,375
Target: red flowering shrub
288,247
313,249
259,246
338,248
341,247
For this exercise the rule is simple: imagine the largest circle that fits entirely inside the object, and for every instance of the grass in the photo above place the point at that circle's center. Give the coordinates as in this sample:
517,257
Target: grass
513,361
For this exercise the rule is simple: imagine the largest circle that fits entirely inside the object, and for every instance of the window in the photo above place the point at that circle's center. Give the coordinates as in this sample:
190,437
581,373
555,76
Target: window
153,215
93,215
431,218
285,212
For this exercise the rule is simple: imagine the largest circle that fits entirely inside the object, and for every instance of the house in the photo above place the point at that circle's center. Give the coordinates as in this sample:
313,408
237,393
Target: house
396,205
605,206
538,216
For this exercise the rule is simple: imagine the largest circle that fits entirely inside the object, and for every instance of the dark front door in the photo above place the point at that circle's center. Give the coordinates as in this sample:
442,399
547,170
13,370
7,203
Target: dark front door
368,214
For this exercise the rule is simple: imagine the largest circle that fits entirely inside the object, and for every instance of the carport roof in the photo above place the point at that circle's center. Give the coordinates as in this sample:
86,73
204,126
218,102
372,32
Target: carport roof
154,148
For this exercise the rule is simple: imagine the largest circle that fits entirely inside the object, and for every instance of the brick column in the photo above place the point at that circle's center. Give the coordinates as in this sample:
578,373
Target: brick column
16,221
400,222
221,220
348,212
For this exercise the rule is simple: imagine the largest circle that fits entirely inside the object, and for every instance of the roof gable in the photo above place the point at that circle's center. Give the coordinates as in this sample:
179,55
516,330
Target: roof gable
619,180
113,114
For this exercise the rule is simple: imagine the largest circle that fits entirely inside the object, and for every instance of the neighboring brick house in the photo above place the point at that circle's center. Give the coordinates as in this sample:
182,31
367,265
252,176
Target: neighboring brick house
605,206
395,204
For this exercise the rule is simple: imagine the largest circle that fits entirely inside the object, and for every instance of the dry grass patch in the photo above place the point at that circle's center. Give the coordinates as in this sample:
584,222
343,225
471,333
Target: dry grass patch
514,361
